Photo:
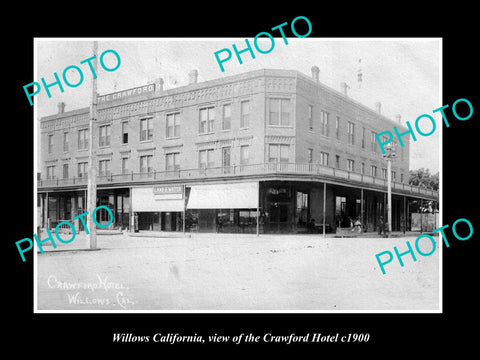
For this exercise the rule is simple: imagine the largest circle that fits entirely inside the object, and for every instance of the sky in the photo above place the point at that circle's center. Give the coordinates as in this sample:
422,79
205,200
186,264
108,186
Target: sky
402,74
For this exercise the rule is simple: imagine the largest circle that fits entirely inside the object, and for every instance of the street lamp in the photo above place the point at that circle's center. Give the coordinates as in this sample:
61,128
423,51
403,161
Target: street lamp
389,154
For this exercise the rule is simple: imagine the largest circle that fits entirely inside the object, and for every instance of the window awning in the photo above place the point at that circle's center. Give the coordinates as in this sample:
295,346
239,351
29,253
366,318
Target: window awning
224,196
145,199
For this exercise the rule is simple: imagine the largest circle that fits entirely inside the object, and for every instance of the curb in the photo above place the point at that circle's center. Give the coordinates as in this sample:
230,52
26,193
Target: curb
65,250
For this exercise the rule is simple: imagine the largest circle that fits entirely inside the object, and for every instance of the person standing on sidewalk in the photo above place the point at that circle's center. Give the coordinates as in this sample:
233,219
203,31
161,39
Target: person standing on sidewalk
381,224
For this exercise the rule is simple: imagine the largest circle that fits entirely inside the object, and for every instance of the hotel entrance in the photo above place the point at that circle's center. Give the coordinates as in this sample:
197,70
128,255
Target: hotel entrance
286,207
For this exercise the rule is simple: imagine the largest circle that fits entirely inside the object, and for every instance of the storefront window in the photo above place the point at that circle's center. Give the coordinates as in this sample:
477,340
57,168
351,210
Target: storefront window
221,220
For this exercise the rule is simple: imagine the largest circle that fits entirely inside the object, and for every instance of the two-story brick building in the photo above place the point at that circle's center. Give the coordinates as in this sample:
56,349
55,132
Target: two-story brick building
263,151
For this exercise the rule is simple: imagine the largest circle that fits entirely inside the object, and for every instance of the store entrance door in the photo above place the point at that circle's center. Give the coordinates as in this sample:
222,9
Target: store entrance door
302,215
279,215
171,221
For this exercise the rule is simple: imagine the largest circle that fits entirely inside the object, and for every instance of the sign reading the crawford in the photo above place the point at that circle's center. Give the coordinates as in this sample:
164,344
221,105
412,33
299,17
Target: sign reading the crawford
126,93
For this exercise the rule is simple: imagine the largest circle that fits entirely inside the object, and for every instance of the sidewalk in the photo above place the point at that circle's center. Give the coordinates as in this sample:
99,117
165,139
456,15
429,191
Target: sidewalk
393,234
159,234
108,239
113,239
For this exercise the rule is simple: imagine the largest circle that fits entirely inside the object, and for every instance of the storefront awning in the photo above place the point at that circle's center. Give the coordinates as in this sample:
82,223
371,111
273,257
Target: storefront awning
224,196
149,199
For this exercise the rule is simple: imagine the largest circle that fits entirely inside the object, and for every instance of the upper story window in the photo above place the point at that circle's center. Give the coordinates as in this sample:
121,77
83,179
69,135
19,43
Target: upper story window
324,123
65,141
104,135
172,161
226,152
337,128
245,114
324,158
351,133
146,164
373,141
124,165
82,169
244,154
146,129
50,143
173,125
279,113
278,153
205,159
82,139
350,165
50,172
363,138
207,120
125,132
227,117
310,117
104,168
65,171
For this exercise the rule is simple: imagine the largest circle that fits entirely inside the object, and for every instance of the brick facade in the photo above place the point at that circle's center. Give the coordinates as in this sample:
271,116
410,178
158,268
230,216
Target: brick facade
276,112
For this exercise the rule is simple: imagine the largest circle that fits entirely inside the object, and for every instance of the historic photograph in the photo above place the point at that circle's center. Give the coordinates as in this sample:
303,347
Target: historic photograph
212,175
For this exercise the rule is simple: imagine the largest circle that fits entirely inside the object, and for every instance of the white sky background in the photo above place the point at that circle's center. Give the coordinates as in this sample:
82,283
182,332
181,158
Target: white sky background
403,74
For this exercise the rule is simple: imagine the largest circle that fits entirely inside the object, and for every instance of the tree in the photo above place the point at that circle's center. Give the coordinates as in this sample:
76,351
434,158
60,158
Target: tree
422,178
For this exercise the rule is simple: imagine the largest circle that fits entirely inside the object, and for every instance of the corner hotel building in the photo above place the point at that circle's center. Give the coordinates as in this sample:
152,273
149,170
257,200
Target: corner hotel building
266,151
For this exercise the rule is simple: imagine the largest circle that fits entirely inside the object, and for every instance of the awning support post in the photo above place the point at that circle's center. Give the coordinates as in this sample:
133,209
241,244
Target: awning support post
324,205
184,209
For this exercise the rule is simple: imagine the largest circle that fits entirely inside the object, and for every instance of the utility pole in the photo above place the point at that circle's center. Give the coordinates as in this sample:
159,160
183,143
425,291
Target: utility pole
389,199
390,153
92,173
184,209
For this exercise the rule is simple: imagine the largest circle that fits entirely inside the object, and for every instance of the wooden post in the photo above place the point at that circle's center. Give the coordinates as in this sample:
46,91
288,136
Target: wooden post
258,209
324,205
362,210
131,220
184,209
47,222
420,209
92,176
389,195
